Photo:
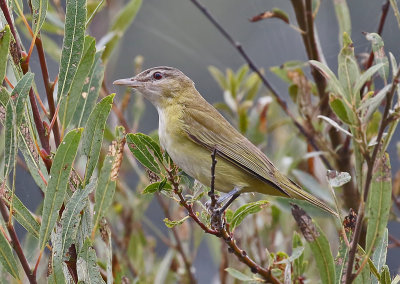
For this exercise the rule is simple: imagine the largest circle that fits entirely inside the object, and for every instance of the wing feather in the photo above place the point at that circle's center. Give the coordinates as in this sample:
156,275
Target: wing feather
210,130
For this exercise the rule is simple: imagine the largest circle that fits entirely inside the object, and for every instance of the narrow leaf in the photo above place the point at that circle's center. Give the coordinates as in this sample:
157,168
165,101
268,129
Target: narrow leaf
10,143
395,8
156,187
92,137
335,124
39,10
365,76
379,202
245,210
343,17
7,259
71,215
151,144
337,179
379,255
105,189
238,275
318,243
171,223
21,90
90,93
5,37
334,83
58,182
88,271
75,23
142,153
69,104
372,104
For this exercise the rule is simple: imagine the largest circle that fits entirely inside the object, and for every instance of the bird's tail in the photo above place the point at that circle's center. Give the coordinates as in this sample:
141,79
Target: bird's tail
295,191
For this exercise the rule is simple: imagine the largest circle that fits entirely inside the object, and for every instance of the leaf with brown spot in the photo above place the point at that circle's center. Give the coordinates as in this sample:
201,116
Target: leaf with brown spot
275,13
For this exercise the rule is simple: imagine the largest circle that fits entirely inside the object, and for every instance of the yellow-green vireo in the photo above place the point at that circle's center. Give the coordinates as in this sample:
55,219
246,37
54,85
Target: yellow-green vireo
190,129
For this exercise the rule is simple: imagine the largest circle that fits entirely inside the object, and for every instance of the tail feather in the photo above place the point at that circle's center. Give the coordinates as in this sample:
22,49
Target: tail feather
295,191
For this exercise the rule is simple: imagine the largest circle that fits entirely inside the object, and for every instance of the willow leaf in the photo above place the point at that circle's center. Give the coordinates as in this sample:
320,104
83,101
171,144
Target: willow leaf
90,93
88,271
10,142
5,37
71,215
92,137
69,104
22,89
105,189
7,258
39,10
379,201
75,20
58,182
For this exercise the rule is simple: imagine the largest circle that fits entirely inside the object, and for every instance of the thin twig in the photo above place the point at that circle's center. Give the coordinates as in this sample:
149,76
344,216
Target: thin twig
16,243
178,246
370,163
223,233
35,111
253,67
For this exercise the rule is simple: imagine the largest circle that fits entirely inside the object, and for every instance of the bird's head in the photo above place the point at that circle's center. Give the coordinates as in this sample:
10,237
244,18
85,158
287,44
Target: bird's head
160,85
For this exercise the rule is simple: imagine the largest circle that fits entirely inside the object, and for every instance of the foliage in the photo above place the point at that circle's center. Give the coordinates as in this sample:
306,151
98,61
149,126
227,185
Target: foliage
92,224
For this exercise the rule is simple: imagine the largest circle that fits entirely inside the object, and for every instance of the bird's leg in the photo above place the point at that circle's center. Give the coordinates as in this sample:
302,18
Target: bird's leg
216,213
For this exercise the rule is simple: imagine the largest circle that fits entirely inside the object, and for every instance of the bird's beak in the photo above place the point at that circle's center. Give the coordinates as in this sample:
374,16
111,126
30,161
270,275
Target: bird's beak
129,82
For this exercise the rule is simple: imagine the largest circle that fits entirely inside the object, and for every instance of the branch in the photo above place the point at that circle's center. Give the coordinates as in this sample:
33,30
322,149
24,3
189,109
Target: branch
266,83
368,179
16,244
35,111
222,233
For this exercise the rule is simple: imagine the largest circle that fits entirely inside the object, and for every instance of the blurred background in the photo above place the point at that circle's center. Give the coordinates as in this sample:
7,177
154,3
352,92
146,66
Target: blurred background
175,33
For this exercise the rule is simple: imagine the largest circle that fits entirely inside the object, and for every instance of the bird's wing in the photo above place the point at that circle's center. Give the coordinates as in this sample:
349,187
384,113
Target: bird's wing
210,130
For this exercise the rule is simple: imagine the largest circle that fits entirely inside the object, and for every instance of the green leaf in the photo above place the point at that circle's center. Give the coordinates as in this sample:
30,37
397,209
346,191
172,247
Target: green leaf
140,150
57,275
396,12
35,164
90,93
379,255
151,144
245,210
342,259
7,258
10,142
75,23
171,224
157,186
70,103
22,89
105,189
93,9
39,10
58,183
218,76
318,243
333,82
5,38
379,202
92,137
238,275
343,17
122,21
71,215
21,213
379,55
366,76
340,109
385,275
299,265
88,271
371,105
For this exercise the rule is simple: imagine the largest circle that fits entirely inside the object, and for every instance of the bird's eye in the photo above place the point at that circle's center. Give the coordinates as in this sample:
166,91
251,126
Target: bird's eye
157,75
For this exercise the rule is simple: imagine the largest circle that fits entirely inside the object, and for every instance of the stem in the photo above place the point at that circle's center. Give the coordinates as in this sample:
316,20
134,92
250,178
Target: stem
16,244
211,193
48,88
370,163
282,103
178,246
35,111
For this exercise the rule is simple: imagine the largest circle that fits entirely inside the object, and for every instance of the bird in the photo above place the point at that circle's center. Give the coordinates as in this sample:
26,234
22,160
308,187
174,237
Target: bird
190,129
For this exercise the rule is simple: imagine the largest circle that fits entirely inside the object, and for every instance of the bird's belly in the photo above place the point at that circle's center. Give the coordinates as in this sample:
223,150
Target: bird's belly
196,161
